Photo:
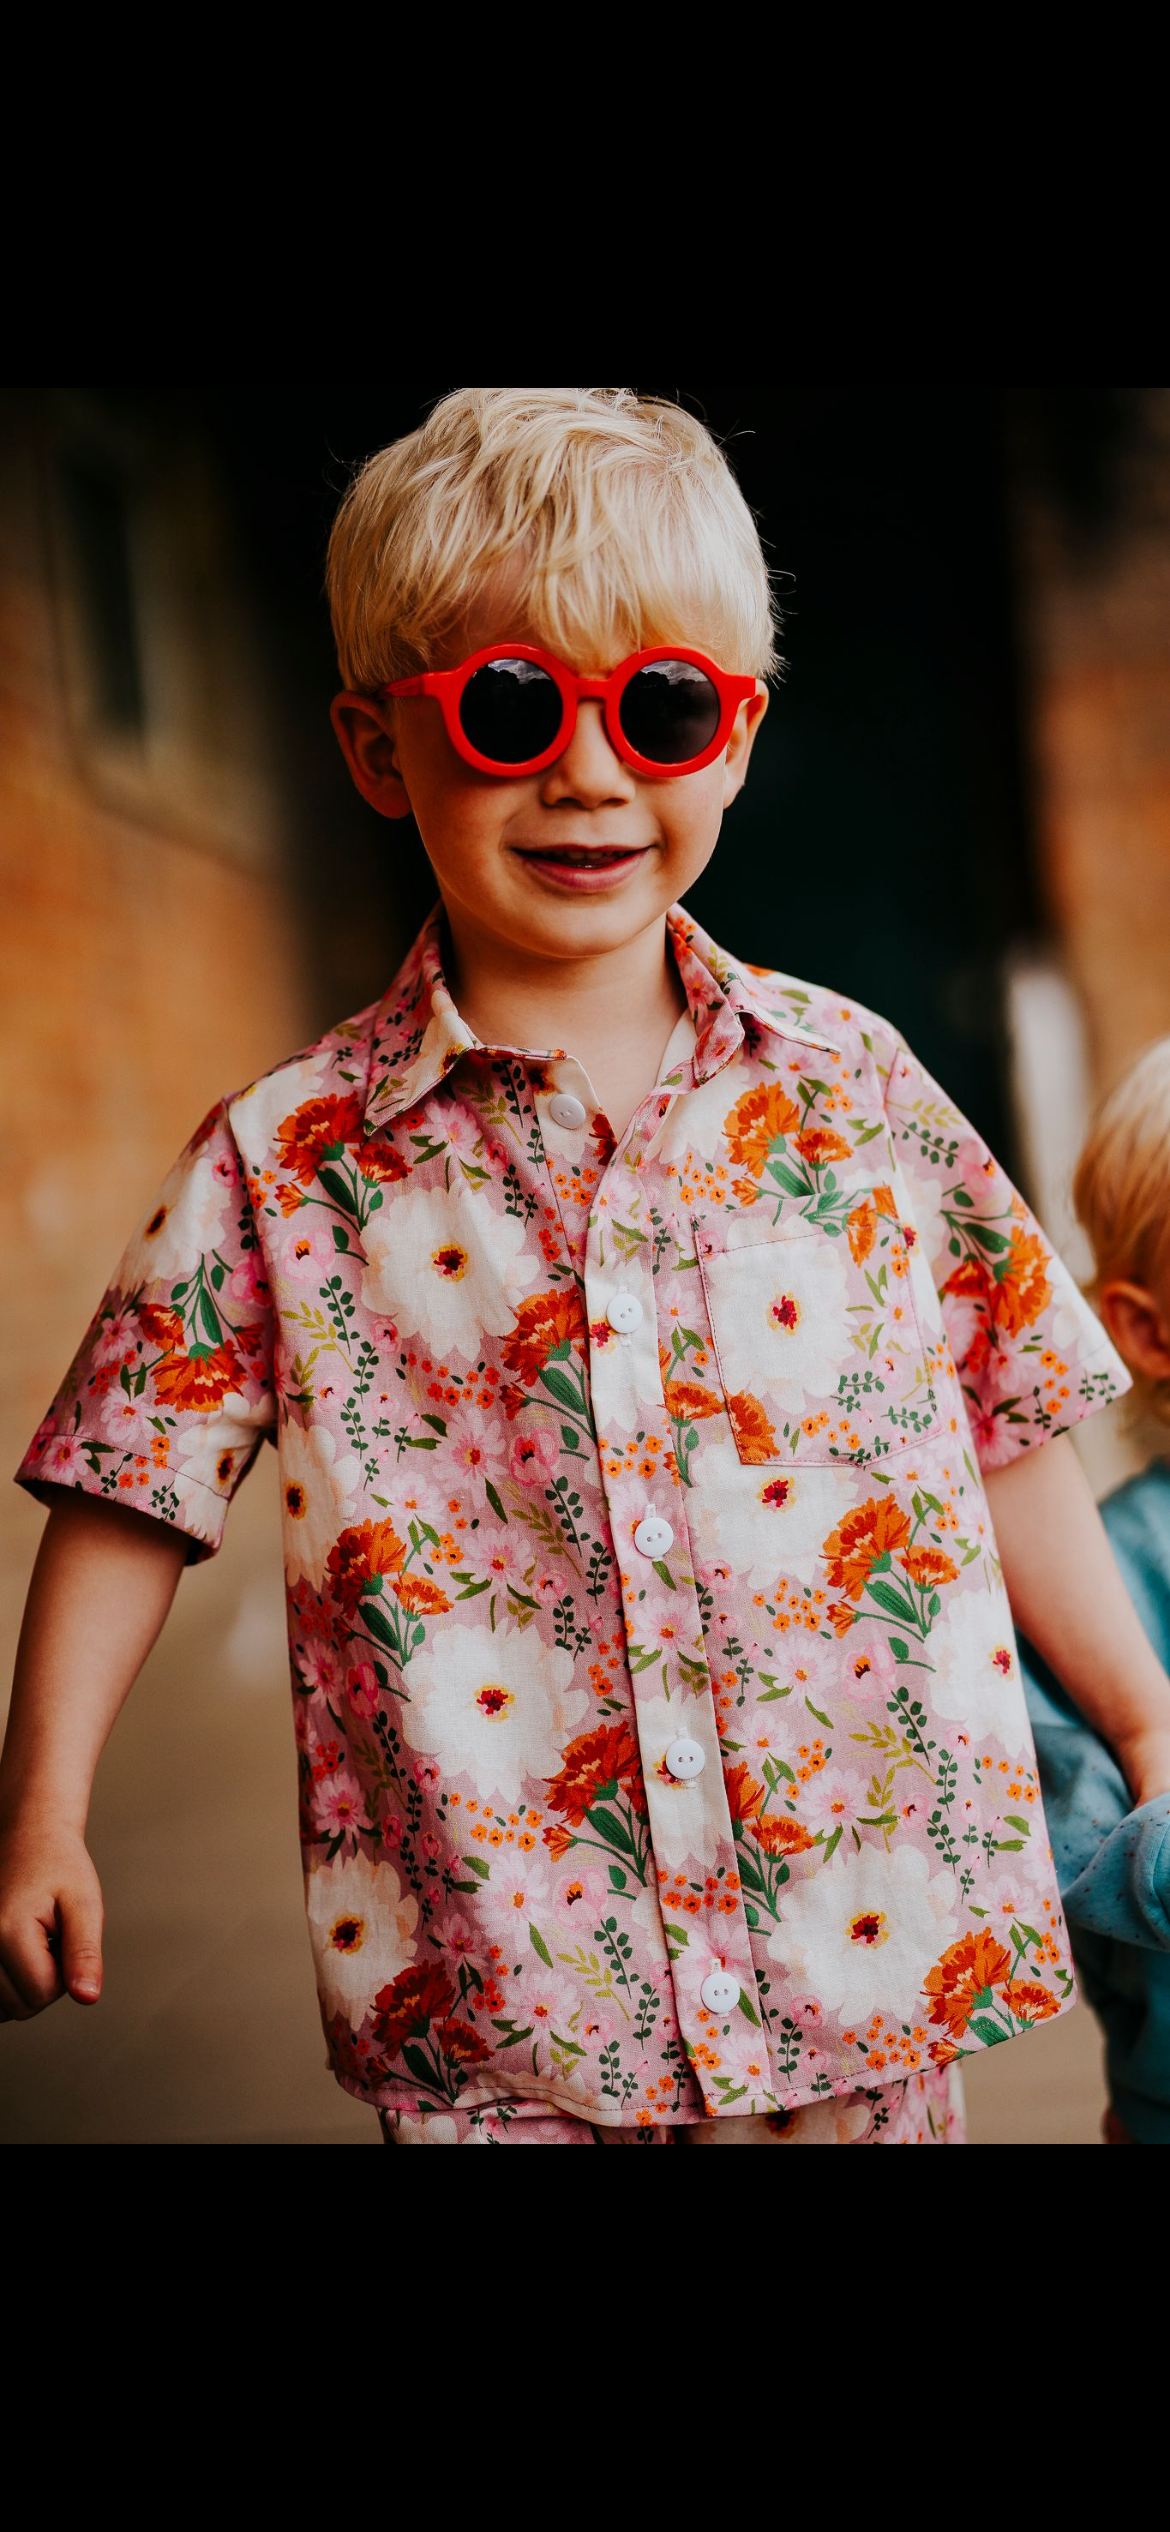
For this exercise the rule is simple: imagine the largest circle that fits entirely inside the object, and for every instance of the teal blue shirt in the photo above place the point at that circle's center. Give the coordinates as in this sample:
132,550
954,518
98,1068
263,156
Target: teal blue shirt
1112,1862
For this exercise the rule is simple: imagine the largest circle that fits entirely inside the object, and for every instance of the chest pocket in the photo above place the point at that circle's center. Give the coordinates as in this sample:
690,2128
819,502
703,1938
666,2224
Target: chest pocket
818,1346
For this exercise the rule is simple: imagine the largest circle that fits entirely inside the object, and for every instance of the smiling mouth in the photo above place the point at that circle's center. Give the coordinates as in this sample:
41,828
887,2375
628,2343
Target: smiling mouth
581,856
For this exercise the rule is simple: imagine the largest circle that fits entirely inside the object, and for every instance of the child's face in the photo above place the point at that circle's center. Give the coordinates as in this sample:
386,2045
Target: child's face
479,829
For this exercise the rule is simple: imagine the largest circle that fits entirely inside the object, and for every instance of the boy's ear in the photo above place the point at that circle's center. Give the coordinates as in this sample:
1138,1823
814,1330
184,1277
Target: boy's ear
739,745
365,735
1133,1321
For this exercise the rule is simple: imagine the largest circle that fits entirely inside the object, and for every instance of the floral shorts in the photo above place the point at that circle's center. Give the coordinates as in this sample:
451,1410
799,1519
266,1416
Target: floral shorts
927,2109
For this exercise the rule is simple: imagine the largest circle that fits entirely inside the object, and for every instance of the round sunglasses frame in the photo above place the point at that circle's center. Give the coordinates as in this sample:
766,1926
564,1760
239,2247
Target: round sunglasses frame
447,685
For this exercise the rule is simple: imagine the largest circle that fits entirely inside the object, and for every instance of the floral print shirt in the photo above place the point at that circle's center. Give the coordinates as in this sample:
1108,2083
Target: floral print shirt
662,1747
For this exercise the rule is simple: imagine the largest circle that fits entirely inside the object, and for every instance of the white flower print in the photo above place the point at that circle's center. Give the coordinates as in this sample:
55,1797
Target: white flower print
859,1930
257,1113
183,1224
496,1708
424,1267
976,1679
782,1516
362,1928
319,1496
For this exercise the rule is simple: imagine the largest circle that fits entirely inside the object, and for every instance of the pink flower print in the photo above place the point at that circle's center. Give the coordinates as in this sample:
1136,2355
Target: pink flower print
505,1559
118,1340
61,1456
425,1772
552,2003
457,1936
806,2009
119,1417
319,1665
361,1688
384,1331
307,1255
431,1846
475,1446
984,1181
533,1457
392,1831
340,1804
870,1669
829,1800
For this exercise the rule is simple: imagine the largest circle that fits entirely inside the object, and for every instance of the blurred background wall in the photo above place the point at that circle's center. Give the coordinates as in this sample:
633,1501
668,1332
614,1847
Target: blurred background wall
959,812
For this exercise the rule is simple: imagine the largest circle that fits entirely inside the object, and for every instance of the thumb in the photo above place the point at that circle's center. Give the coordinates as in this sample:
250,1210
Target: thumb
81,1948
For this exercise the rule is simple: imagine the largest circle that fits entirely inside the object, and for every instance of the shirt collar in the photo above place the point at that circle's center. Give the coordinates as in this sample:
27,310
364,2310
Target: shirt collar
419,1035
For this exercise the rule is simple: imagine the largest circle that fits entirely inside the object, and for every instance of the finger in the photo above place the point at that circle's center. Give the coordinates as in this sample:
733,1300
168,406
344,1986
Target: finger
30,1967
80,1923
13,2006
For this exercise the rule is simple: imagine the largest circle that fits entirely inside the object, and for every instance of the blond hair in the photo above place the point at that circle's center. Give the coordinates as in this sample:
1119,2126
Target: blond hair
618,514
1121,1194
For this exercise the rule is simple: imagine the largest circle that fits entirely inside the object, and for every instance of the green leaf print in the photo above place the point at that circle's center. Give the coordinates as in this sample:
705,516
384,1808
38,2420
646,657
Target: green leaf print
539,1945
494,1500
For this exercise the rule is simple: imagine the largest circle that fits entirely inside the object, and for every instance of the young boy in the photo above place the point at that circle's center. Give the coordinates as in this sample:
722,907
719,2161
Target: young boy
1113,1862
648,1344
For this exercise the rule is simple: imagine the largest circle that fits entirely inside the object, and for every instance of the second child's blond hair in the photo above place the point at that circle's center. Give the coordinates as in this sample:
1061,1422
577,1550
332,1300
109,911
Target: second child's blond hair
1121,1193
616,516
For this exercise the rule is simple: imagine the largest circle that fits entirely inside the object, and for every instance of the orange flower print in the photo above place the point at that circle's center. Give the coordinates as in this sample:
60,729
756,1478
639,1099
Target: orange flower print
1023,1290
200,1381
609,1756
162,1325
311,1131
928,1566
424,1599
861,1228
1033,2003
543,1322
762,1117
689,1401
359,1554
378,1159
754,1436
819,1144
407,2007
963,1978
779,1835
874,1529
885,1202
744,1795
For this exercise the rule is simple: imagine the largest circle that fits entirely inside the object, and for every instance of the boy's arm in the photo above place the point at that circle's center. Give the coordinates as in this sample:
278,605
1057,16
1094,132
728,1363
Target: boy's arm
101,1587
1067,1591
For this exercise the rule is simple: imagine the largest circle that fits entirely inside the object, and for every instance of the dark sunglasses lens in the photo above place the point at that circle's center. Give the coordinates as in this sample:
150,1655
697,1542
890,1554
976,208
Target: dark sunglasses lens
511,710
670,711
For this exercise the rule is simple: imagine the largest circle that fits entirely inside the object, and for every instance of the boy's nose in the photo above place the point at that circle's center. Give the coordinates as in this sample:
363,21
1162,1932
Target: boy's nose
588,764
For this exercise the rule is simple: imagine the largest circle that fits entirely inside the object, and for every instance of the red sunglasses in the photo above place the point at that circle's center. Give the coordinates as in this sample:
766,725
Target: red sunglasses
512,709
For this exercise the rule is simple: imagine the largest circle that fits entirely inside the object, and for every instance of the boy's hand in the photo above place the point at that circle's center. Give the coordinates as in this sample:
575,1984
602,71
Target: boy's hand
51,1919
1144,1760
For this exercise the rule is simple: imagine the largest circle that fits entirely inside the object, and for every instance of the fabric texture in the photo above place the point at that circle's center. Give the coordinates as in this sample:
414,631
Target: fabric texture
662,1746
1112,1861
924,2109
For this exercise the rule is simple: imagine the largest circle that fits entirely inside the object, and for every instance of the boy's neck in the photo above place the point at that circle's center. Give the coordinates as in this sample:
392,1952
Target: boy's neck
631,995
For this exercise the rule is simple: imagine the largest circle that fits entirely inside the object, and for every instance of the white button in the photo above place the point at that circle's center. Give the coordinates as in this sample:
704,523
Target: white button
685,1758
625,1311
653,1535
719,1991
565,1110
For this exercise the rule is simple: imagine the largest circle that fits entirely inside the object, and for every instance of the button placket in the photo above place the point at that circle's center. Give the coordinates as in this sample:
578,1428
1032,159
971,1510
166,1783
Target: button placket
689,1818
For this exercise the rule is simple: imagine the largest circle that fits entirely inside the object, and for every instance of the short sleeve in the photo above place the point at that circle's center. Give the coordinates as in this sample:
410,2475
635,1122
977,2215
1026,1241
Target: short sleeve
1032,1357
171,1390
